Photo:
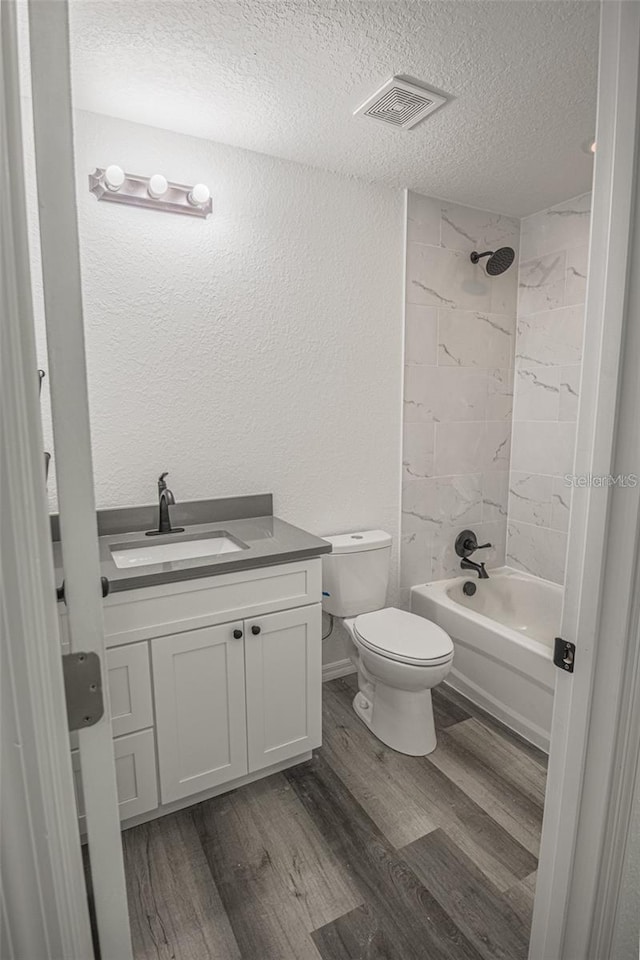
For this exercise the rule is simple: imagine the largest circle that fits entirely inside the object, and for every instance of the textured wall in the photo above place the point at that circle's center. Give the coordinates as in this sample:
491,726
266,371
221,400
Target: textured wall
259,350
552,286
460,327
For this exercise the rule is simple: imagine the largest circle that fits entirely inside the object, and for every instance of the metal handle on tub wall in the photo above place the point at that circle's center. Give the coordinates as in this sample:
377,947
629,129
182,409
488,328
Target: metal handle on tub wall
467,543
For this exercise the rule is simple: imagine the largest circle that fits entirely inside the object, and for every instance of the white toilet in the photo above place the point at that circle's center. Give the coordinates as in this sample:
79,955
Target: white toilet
399,656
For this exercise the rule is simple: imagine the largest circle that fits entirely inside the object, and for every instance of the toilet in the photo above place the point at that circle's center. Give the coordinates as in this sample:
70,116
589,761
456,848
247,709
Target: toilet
399,656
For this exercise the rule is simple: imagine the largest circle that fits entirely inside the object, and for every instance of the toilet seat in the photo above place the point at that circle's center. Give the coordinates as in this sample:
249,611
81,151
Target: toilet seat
405,637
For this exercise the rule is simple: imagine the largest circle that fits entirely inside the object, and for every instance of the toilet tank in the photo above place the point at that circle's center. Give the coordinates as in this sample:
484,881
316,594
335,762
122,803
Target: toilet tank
355,575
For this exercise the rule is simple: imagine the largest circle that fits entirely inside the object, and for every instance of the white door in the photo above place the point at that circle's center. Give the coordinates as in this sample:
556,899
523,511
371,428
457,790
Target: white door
44,903
596,719
53,135
198,680
283,654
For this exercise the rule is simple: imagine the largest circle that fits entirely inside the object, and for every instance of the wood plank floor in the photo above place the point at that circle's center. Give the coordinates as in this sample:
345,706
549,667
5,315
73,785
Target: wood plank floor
359,854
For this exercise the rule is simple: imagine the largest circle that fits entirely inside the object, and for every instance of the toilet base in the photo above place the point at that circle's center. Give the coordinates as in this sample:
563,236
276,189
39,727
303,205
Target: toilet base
401,719
394,698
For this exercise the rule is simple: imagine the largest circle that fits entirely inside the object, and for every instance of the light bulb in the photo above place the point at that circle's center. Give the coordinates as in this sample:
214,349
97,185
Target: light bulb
113,177
199,195
157,186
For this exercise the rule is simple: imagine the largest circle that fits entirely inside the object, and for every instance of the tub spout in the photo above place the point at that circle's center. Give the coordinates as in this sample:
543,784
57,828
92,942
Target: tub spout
466,564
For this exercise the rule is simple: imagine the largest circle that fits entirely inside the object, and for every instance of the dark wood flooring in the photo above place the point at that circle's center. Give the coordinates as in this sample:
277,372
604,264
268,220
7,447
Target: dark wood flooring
359,854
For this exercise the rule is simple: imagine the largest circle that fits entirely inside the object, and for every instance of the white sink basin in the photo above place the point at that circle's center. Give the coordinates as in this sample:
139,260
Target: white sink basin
143,553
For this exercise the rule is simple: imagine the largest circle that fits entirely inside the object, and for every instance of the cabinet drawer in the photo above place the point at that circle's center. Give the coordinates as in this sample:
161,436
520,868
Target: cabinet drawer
190,604
135,775
129,690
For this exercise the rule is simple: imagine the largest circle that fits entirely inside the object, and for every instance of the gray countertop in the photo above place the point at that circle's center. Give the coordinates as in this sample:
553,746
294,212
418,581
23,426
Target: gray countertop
268,539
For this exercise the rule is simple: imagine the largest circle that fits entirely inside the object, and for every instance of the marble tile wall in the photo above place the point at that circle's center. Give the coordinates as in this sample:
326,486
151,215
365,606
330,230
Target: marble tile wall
458,391
548,353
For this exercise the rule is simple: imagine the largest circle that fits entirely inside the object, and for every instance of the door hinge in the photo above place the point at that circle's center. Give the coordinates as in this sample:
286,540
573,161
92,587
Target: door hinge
83,689
564,654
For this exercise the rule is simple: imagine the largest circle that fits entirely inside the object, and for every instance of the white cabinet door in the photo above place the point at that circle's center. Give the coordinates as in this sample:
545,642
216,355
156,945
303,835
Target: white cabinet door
283,654
135,775
198,680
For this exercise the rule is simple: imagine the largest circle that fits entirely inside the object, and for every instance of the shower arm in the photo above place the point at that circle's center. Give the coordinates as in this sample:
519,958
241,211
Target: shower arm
477,257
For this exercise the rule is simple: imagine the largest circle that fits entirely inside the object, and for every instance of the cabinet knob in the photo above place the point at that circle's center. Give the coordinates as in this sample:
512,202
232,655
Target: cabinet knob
237,634
255,630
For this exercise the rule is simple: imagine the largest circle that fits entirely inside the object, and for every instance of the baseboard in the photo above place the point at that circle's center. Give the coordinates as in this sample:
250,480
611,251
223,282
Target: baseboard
339,668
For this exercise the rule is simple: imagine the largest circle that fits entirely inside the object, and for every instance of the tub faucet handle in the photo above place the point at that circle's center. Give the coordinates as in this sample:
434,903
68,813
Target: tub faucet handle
467,543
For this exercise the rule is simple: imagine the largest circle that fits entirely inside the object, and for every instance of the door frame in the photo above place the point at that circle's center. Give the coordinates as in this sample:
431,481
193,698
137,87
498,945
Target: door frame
596,709
44,901
51,99
591,727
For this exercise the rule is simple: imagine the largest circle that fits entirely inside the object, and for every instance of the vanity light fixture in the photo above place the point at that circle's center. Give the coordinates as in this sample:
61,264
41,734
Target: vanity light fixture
157,186
155,192
199,196
113,177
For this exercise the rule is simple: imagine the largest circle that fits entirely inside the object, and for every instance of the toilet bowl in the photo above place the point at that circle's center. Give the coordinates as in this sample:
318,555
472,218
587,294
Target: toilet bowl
399,658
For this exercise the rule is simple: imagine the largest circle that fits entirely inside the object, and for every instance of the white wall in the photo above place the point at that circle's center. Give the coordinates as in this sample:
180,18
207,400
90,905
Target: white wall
554,248
460,327
259,350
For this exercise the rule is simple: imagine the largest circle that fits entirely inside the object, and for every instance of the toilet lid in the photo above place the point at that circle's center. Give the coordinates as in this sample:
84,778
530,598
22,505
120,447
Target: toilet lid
404,636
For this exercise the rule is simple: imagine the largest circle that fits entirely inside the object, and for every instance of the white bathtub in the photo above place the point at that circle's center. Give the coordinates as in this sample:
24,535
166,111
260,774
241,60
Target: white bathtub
503,638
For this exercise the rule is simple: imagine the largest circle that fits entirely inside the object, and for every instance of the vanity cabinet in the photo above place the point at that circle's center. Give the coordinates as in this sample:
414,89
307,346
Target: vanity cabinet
211,681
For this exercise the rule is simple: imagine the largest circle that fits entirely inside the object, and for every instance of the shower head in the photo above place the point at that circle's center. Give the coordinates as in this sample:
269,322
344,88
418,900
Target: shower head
499,260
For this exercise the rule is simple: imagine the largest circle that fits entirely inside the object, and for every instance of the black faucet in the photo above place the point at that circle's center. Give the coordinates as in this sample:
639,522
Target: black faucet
466,564
166,500
466,544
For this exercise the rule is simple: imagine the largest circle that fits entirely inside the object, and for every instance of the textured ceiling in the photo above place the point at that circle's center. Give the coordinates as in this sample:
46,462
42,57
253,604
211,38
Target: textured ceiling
283,77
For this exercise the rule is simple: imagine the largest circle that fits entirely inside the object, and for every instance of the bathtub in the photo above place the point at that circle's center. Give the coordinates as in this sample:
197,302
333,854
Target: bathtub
503,638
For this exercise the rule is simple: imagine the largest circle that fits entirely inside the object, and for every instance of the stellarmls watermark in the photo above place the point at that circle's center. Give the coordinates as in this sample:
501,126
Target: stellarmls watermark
601,480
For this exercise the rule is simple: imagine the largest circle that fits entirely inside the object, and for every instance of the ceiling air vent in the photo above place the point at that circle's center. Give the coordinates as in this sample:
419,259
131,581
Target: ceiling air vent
400,104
